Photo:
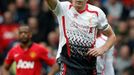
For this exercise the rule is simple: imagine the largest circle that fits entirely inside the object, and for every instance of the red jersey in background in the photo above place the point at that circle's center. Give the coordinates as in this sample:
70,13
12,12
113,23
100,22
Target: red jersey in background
28,62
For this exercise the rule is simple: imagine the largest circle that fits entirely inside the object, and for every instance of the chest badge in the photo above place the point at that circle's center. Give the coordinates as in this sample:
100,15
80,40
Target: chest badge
33,54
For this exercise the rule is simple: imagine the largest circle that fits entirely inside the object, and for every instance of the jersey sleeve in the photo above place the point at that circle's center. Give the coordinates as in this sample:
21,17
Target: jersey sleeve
10,57
61,7
102,21
45,56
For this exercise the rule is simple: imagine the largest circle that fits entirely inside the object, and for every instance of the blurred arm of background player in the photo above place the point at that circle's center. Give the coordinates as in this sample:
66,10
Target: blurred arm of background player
52,3
7,63
55,68
109,43
5,69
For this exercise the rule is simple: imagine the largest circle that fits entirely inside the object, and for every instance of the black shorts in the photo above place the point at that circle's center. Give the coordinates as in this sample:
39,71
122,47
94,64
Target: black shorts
66,70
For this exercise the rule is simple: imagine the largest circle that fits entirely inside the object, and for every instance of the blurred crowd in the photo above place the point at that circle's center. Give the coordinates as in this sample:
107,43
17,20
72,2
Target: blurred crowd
44,24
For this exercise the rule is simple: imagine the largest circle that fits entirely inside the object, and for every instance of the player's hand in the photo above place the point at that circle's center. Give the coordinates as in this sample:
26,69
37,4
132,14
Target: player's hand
96,51
54,69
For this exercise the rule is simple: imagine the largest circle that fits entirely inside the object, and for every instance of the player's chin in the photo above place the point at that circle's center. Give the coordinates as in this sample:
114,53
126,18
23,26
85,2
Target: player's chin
24,40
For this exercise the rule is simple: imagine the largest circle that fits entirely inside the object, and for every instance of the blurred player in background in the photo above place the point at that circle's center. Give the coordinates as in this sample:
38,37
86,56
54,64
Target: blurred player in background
104,62
78,24
27,55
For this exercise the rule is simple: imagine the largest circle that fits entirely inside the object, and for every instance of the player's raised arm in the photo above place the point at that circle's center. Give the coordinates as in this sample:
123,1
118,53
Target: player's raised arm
52,3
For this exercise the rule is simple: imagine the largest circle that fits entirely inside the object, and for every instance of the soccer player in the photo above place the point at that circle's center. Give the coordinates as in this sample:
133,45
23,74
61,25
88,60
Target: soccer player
78,25
27,55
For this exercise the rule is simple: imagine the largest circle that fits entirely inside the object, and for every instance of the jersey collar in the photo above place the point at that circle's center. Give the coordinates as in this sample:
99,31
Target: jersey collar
86,8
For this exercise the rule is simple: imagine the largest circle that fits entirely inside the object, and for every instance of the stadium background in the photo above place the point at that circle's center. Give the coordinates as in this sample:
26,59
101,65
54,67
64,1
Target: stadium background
44,24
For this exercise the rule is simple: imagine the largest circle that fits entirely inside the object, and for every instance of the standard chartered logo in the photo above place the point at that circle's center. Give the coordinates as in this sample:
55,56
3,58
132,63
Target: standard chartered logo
25,64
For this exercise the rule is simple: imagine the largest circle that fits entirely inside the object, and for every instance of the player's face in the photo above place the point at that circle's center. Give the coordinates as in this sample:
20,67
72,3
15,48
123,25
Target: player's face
24,34
78,4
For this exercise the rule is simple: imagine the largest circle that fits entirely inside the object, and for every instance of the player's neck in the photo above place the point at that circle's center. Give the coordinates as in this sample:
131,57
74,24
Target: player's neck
79,9
26,46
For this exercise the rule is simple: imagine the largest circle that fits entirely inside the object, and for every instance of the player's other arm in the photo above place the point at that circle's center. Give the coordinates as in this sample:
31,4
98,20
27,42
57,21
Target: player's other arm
111,39
5,69
7,63
52,3
55,68
109,43
106,30
46,57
